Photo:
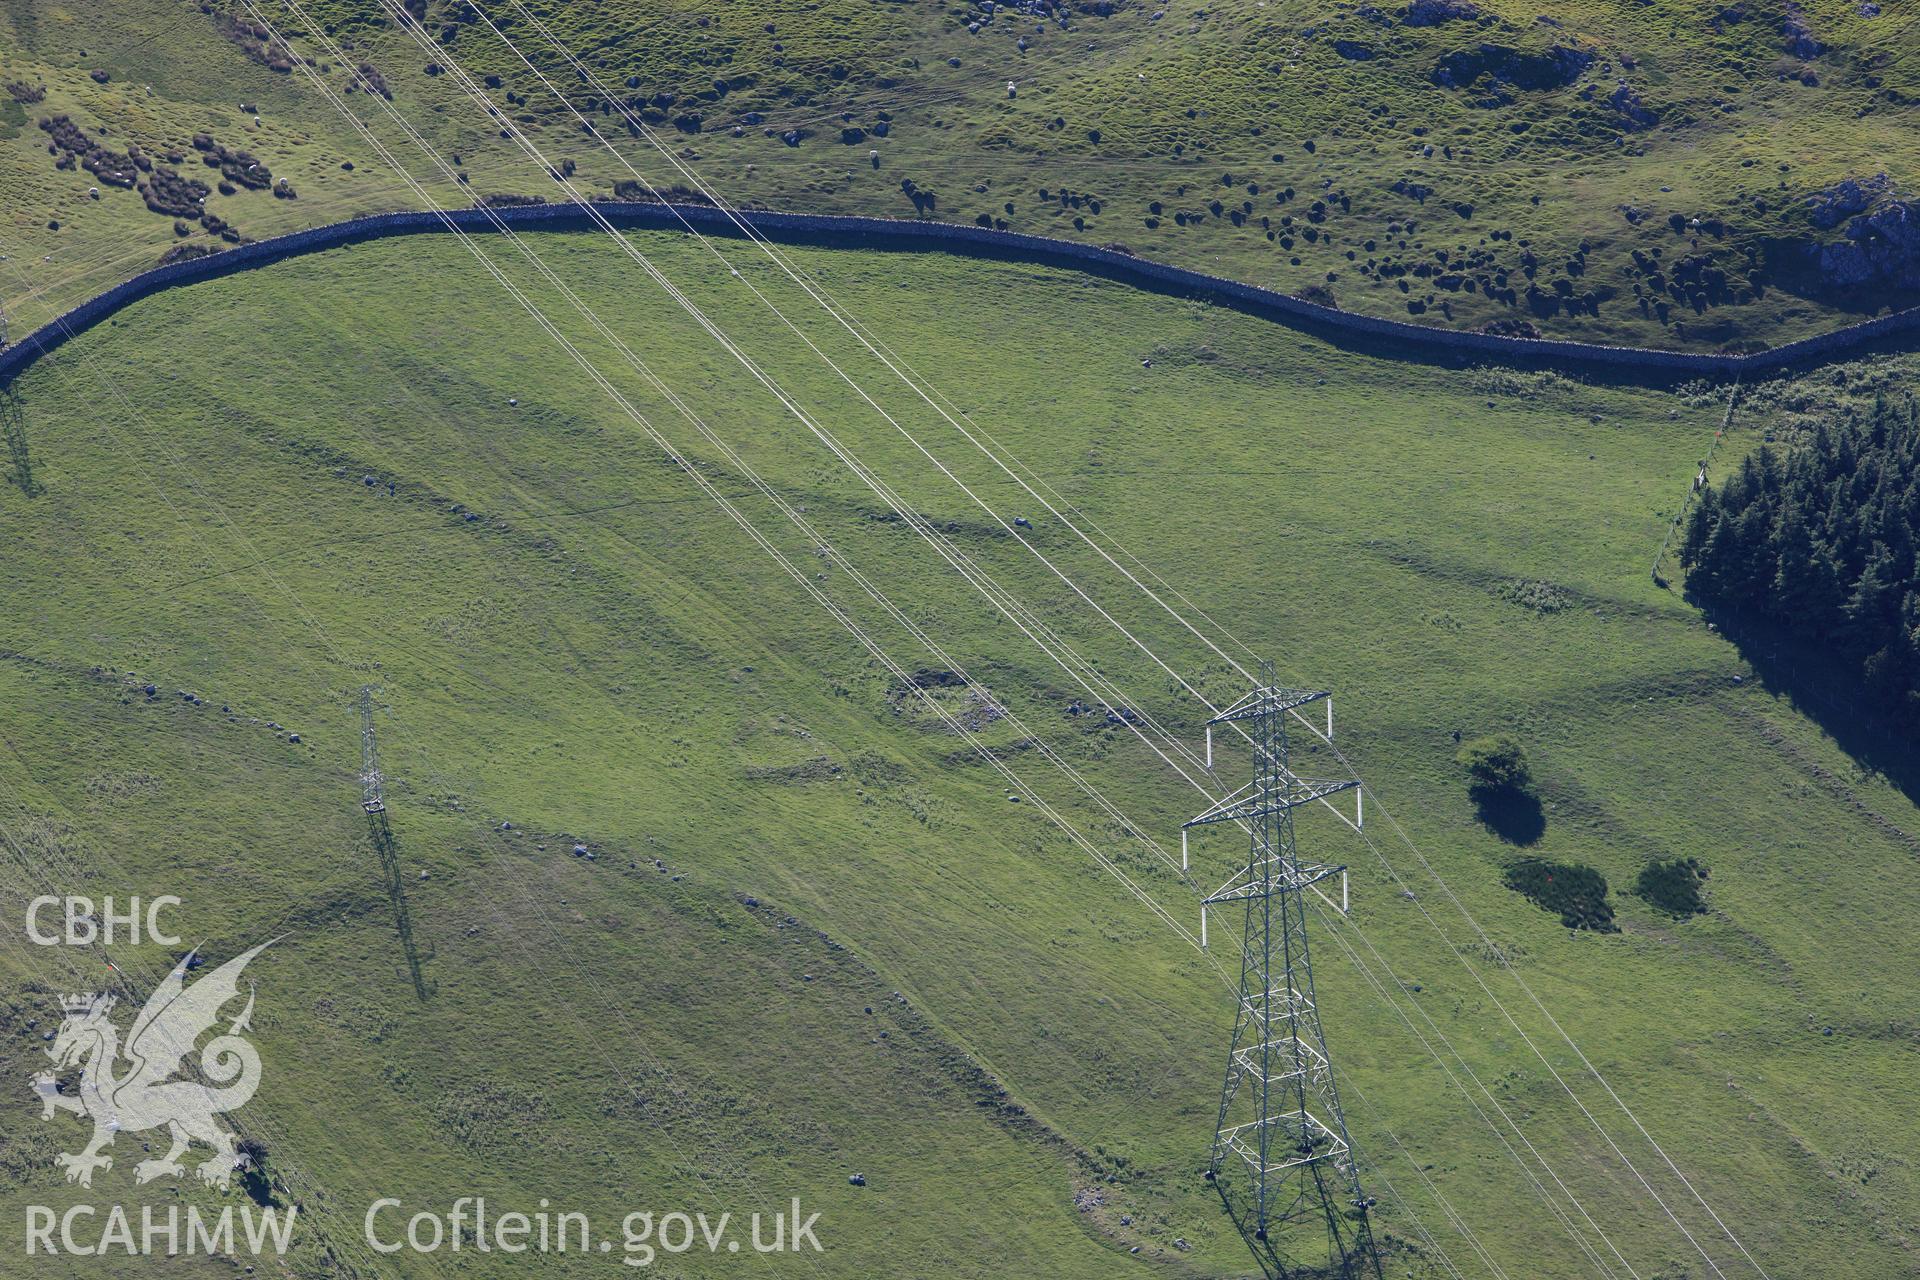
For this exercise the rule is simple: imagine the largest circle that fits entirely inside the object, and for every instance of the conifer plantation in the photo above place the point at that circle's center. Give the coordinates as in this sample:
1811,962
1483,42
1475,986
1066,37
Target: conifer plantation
1816,538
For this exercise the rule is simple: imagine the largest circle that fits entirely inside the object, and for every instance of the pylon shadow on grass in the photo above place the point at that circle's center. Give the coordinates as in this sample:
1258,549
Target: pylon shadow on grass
388,849
1360,1263
13,426
1239,1207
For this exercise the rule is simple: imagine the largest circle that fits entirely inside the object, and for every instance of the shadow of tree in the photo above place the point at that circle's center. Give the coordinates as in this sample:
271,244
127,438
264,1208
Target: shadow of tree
1510,813
1828,689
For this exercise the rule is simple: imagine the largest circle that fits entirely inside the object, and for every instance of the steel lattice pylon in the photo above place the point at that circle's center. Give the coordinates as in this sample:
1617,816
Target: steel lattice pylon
371,781
1280,1125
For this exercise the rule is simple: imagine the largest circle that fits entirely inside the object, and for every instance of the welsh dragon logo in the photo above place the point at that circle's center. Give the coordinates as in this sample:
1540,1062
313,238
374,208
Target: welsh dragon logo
149,1092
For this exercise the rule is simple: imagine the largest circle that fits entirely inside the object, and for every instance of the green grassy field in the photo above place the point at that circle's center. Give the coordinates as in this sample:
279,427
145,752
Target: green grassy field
564,635
1200,136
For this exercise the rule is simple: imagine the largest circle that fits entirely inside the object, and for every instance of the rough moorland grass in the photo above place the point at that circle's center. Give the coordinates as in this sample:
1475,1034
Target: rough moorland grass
1292,143
599,657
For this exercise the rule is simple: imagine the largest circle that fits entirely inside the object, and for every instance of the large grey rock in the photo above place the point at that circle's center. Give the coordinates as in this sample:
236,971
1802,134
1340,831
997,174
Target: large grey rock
1844,199
1881,251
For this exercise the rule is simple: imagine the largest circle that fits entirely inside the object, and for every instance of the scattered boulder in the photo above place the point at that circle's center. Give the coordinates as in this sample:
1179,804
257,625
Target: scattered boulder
1799,36
1634,114
1431,13
367,77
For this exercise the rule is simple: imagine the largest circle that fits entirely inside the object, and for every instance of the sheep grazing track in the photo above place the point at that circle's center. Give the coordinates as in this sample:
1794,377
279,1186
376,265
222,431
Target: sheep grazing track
1387,338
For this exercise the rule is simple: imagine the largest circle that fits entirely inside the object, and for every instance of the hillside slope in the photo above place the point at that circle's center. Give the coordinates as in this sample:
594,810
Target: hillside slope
563,635
1663,174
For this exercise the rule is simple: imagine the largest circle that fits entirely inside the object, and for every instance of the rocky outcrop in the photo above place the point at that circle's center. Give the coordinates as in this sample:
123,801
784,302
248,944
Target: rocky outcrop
1829,208
1799,36
1881,250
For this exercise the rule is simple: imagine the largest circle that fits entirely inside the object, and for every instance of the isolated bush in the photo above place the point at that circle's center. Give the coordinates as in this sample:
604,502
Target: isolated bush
1501,786
1540,597
1673,886
1496,763
1578,894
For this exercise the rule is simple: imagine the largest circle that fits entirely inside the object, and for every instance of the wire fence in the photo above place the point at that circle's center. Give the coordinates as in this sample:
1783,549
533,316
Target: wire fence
1699,483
